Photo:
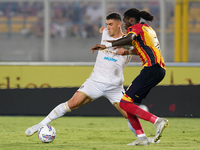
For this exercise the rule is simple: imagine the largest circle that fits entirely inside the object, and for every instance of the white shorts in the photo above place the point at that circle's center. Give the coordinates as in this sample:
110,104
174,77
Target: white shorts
94,90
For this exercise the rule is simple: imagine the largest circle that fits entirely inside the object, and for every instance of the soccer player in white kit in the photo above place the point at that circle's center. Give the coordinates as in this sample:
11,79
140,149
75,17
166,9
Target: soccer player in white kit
105,80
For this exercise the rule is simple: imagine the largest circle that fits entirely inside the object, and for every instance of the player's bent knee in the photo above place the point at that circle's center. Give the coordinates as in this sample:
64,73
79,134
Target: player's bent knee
73,105
77,101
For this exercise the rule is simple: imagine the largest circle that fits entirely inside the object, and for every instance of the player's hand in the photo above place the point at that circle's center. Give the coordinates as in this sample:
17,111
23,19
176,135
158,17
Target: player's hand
101,29
97,47
122,51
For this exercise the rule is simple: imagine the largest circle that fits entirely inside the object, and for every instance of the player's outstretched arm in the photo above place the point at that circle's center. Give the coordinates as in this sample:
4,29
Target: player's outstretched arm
97,47
123,41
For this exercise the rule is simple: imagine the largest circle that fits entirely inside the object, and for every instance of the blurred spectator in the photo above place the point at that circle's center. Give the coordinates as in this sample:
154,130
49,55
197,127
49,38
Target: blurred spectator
77,19
80,19
58,22
92,19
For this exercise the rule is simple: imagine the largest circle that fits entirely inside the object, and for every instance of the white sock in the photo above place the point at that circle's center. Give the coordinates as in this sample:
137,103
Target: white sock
131,128
57,112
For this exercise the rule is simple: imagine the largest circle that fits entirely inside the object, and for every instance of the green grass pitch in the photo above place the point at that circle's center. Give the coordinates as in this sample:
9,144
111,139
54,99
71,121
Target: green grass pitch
97,133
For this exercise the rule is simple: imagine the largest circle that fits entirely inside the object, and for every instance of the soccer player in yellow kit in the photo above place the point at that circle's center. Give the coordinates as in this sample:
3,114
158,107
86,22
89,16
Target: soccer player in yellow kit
146,45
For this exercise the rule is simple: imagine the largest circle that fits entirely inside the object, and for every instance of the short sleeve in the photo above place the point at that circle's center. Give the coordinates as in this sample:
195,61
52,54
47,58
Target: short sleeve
136,29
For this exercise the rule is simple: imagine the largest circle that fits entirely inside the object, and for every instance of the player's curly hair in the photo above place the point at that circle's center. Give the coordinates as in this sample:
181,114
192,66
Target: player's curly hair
137,14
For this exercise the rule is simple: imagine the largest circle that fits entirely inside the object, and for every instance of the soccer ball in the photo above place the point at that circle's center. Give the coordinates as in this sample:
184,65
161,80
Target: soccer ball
47,134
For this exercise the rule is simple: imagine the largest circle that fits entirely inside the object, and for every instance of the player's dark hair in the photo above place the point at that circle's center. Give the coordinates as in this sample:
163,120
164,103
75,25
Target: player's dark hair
115,16
137,14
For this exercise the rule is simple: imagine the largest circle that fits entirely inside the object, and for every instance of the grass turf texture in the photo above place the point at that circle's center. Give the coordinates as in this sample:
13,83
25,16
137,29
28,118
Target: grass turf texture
97,133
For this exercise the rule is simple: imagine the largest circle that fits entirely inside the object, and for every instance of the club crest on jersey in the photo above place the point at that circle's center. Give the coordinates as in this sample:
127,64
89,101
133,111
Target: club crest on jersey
110,59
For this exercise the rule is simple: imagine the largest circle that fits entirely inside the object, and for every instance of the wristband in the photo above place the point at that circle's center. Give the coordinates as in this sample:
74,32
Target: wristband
108,44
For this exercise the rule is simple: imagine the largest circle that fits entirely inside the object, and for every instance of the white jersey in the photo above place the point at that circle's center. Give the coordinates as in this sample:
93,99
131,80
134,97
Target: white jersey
109,66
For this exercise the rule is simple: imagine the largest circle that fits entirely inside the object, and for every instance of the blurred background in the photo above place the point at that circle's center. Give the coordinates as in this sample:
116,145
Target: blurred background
65,30
45,56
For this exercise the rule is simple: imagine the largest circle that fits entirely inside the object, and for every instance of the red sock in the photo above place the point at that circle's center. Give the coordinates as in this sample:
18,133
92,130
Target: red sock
135,124
136,110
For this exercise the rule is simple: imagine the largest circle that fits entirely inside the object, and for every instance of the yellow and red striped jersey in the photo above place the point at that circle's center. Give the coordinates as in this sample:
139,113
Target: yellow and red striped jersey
146,44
